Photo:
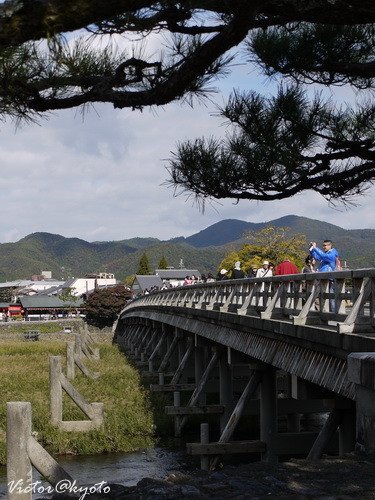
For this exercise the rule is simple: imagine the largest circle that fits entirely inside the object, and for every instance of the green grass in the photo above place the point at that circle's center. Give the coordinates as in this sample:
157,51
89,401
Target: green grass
43,327
128,420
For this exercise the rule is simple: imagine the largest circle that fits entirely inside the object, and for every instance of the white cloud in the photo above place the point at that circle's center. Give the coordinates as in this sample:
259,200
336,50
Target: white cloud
101,177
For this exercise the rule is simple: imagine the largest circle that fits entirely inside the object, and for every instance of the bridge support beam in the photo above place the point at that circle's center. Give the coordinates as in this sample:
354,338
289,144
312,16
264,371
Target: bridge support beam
361,371
155,352
296,390
325,435
201,384
226,389
347,437
199,367
268,413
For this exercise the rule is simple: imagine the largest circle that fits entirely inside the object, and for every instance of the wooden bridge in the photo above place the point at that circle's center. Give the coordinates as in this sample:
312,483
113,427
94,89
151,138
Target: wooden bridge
277,348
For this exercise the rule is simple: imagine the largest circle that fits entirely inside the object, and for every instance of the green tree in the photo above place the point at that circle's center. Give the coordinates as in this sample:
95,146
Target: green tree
6,295
102,306
271,243
67,295
163,264
279,146
144,265
128,280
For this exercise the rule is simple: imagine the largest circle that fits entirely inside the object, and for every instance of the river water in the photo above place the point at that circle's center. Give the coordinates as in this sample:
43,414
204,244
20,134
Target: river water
121,468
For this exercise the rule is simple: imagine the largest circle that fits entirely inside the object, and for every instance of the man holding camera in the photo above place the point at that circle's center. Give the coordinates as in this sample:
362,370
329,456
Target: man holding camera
327,257
328,261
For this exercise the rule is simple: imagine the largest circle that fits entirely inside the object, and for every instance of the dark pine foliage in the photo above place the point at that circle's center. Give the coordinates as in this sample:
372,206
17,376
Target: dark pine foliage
280,146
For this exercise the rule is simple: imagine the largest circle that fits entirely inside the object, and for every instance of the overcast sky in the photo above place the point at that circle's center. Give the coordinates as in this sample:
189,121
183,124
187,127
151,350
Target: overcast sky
100,177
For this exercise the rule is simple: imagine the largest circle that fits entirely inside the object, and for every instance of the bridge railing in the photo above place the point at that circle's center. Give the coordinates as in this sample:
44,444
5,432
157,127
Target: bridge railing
346,298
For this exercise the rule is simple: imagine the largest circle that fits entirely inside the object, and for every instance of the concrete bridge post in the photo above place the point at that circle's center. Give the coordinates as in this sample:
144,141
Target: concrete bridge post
361,371
70,362
296,390
18,462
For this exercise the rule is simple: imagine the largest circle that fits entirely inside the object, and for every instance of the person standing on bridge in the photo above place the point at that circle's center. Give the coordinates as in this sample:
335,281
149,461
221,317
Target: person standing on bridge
286,267
328,259
309,266
237,272
265,271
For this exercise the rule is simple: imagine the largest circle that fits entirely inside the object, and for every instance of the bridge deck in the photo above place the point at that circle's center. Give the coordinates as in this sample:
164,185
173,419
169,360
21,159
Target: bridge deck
303,324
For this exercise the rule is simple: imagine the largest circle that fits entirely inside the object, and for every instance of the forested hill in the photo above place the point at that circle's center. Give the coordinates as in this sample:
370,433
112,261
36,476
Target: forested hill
204,250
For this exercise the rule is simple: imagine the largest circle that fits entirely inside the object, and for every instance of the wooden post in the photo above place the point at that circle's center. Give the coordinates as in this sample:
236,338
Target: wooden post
232,423
181,367
293,420
177,419
325,435
205,439
132,332
150,342
226,389
268,413
19,469
168,354
347,432
195,397
199,367
155,352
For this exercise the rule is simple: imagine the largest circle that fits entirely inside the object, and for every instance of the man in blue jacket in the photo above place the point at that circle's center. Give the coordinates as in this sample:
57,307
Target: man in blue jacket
327,257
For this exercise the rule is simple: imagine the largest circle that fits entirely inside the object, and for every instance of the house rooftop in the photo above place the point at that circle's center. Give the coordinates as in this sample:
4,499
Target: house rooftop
47,302
166,274
147,281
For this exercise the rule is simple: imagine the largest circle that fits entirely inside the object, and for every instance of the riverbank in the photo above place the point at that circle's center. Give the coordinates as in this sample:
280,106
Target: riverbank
24,374
331,479
295,479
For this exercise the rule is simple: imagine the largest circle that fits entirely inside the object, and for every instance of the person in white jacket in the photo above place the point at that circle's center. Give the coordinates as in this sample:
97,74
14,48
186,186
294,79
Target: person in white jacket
264,271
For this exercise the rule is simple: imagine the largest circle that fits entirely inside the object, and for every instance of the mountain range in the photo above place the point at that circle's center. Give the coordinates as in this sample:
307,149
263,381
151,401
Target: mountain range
203,250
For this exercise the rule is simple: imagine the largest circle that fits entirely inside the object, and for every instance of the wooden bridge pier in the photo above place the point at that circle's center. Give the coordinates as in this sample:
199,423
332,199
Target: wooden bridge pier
205,342
186,363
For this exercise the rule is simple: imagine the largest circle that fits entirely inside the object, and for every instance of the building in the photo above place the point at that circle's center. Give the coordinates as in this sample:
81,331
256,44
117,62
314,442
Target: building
142,283
176,277
83,286
46,307
29,287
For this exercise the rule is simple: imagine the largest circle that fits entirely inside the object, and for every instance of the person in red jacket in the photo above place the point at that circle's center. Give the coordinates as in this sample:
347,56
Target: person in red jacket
286,267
